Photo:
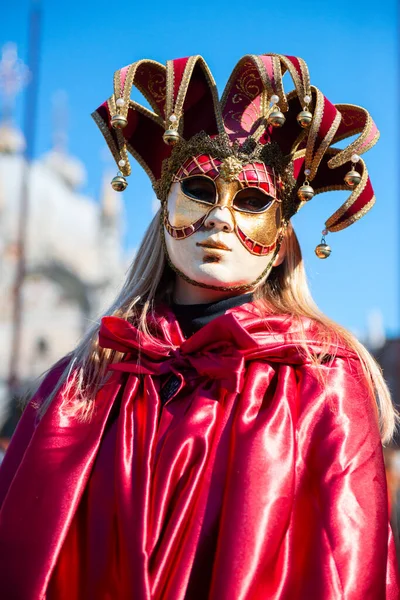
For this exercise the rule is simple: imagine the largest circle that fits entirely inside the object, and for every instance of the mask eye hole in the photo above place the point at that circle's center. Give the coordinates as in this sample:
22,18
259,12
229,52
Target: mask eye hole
252,200
199,188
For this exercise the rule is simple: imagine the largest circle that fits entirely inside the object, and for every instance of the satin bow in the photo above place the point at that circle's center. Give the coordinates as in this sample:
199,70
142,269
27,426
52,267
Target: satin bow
213,356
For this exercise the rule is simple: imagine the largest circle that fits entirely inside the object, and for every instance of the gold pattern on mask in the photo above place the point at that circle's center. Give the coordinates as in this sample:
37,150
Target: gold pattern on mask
230,168
182,210
260,227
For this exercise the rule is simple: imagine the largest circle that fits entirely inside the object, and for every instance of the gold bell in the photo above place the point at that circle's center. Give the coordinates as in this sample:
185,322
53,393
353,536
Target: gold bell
171,137
323,250
305,192
118,121
276,118
119,183
352,178
304,118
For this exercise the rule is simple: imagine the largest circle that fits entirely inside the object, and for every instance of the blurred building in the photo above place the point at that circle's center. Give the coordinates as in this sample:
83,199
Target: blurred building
387,353
388,356
74,253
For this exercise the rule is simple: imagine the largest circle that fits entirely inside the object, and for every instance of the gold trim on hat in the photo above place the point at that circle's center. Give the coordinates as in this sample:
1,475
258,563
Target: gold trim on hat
355,147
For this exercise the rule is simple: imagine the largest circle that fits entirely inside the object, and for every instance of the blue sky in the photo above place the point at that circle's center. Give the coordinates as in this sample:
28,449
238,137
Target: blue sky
351,50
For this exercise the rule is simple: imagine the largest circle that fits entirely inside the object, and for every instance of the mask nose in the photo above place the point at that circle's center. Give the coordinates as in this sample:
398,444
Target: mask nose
220,218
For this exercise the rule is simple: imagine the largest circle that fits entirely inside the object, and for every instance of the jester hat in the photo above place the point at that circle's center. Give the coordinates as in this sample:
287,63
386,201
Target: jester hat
186,110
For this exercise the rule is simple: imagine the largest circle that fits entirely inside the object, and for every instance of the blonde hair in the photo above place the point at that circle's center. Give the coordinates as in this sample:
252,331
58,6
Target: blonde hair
150,280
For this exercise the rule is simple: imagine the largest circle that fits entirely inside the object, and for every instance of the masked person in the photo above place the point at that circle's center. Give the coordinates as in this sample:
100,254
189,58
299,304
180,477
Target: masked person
216,437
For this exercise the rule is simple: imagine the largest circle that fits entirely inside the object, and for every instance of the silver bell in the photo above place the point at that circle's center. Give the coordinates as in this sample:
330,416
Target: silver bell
171,137
352,178
119,122
119,183
323,250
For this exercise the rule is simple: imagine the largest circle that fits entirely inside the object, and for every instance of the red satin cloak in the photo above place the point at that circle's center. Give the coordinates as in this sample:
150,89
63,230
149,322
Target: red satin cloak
254,481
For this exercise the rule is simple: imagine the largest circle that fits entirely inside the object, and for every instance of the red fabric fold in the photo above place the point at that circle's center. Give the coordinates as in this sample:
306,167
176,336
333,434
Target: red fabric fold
259,479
